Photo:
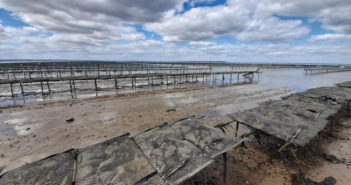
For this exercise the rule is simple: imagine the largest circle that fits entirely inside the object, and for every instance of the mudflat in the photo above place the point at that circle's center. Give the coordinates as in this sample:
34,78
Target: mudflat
34,131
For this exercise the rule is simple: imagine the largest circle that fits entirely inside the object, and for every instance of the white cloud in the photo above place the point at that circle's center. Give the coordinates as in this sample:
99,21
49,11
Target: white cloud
92,22
330,37
95,30
335,15
242,20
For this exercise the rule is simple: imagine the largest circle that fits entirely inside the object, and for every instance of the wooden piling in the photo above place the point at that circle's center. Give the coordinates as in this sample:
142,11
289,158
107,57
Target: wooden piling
96,87
42,89
47,83
116,83
236,129
74,89
11,85
22,89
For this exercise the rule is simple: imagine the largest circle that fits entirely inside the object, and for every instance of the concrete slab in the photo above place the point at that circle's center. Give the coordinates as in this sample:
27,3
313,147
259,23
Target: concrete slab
56,169
211,141
168,153
117,161
344,84
301,114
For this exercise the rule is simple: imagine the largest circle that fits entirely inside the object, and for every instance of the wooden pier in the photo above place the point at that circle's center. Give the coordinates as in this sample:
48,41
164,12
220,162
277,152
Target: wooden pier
323,70
149,79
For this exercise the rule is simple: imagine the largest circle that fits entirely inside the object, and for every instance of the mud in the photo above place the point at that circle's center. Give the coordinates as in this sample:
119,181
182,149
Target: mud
262,164
34,131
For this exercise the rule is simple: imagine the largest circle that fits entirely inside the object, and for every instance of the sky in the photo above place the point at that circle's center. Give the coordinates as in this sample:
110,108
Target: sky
267,31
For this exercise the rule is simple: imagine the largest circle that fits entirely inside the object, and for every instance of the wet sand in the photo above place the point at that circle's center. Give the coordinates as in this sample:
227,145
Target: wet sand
37,130
261,164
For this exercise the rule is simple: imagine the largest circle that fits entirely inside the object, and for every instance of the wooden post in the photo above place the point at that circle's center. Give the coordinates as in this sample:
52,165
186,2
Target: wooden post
116,83
12,90
70,88
132,83
222,79
22,89
74,89
96,88
47,83
42,89
236,129
98,71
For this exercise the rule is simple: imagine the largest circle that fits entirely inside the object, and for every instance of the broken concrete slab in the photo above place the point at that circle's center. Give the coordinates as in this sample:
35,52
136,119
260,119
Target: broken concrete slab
56,169
321,108
164,155
116,161
167,151
344,84
329,94
301,115
153,180
210,140
183,148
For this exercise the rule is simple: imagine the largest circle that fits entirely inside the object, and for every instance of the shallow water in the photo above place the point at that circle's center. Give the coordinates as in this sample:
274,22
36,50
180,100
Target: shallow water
292,78
297,80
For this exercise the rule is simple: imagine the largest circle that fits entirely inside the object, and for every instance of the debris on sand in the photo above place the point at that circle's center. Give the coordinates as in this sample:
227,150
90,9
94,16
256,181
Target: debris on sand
2,168
333,159
301,180
171,110
70,120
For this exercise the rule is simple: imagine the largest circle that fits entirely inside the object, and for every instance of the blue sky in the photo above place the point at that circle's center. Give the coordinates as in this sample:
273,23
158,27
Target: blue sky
177,30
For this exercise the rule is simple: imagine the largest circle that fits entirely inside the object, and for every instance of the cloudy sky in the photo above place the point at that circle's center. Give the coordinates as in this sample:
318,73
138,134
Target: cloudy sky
177,30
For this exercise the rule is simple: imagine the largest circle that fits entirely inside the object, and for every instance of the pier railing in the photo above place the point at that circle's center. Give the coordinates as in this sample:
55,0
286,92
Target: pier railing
322,70
148,79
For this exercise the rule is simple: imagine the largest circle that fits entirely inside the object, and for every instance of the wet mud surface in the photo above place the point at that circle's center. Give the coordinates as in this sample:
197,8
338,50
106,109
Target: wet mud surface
34,131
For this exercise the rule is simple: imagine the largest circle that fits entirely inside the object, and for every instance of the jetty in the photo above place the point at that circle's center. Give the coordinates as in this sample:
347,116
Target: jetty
15,77
323,70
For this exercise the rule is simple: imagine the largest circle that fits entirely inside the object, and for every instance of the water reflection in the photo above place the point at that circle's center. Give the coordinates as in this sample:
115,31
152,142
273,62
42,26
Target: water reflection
293,78
297,80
